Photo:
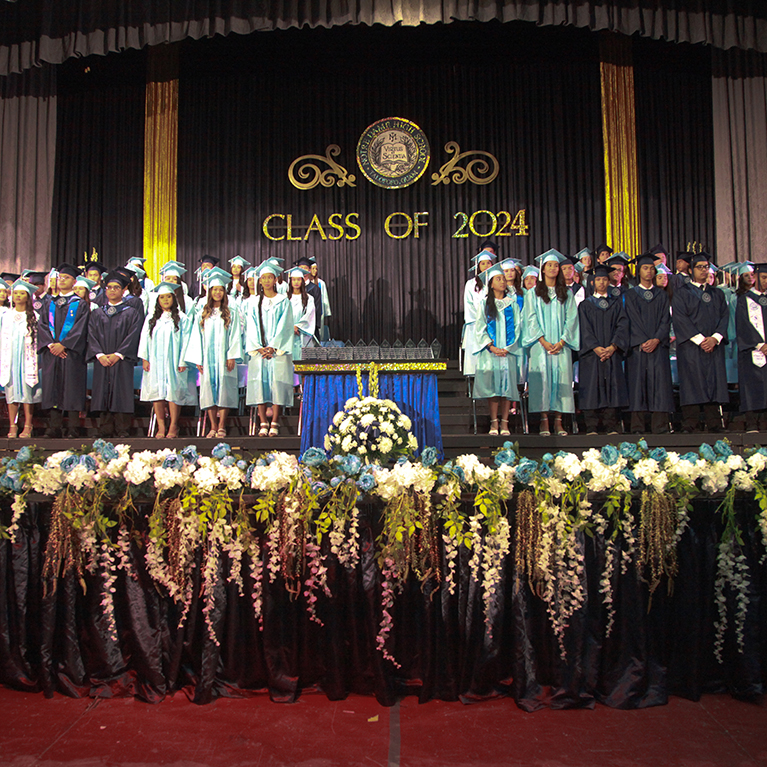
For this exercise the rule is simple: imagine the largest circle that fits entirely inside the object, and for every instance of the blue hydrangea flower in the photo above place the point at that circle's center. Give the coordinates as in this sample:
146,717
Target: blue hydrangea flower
547,457
189,454
722,448
630,477
12,464
429,456
314,456
271,458
24,454
228,460
69,463
658,454
608,455
319,487
505,458
242,465
261,462
174,462
690,457
351,464
89,462
525,470
707,452
366,482
221,450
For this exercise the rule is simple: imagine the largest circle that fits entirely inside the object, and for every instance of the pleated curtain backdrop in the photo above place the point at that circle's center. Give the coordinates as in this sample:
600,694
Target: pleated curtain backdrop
740,148
27,161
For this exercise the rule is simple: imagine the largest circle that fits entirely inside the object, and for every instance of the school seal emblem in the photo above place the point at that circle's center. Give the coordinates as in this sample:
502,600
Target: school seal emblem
393,153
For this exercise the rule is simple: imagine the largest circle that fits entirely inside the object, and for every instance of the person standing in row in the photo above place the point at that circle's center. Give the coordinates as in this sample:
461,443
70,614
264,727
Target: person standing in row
701,315
113,337
62,338
474,294
648,365
550,331
751,329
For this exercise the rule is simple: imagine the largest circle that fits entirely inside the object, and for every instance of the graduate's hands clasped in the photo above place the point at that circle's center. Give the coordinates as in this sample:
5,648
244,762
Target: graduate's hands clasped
497,350
552,348
650,345
107,360
708,344
267,352
58,350
604,352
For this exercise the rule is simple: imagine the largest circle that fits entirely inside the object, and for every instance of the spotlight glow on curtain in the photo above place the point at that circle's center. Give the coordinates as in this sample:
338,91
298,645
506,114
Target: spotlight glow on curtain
160,159
619,138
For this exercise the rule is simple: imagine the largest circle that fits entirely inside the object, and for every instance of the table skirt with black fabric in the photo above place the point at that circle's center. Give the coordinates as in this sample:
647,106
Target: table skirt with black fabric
61,641
415,393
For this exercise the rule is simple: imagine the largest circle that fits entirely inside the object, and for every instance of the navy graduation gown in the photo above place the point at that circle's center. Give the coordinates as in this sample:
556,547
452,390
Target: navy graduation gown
112,332
649,375
602,384
63,381
752,379
702,375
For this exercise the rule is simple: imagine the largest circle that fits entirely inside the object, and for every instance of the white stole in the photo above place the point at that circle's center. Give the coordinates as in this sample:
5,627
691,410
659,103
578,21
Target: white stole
756,318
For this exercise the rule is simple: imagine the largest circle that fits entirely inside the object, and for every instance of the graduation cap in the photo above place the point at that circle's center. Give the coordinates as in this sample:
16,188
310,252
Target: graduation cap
239,261
23,285
746,267
174,268
579,267
97,265
581,253
493,271
68,269
489,244
658,249
683,255
84,282
646,259
35,278
212,260
760,268
303,261
136,269
698,258
619,259
550,255
510,263
248,273
269,267
134,259
601,248
531,271
663,269
165,287
600,270
295,272
9,276
216,277
4,285
119,276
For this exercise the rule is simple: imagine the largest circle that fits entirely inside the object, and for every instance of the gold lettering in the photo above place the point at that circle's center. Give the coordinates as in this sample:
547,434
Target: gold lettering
353,226
265,226
398,236
417,222
336,226
315,226
291,238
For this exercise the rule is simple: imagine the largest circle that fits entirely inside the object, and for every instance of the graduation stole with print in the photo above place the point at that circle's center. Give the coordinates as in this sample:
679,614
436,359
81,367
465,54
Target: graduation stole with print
69,321
508,313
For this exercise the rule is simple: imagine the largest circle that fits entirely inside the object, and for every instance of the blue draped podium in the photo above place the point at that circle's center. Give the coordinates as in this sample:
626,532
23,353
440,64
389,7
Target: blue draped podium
414,393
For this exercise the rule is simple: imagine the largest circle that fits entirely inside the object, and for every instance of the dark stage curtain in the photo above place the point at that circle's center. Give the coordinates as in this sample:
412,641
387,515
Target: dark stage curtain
37,31
60,642
248,110
99,184
675,156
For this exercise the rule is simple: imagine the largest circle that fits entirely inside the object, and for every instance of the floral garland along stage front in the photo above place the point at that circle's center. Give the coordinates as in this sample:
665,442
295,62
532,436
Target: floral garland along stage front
282,519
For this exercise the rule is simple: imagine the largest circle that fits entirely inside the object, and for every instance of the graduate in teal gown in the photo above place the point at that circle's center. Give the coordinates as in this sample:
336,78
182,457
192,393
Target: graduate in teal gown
18,357
497,331
269,333
162,347
550,331
215,347
304,316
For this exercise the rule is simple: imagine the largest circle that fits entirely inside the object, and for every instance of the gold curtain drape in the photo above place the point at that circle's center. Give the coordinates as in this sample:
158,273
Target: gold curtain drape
619,138
160,158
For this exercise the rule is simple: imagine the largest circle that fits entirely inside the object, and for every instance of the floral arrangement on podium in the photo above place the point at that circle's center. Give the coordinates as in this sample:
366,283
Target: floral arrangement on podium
275,518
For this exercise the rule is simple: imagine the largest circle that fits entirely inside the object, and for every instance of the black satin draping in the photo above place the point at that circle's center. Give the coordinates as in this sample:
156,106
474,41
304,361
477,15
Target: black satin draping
61,642
675,145
249,107
37,31
98,193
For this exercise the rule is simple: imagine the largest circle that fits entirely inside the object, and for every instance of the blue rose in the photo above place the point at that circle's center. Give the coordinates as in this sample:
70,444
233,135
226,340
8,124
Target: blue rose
336,481
12,463
442,479
629,450
547,457
630,477
525,470
608,455
221,450
108,452
545,470
448,466
174,462
429,456
402,460
89,462
659,454
249,473
270,458
505,458
366,482
707,452
228,460
507,445
460,473
642,444
314,456
351,464
319,488
69,463
242,465
189,454
690,457
98,445
24,455
722,448
261,462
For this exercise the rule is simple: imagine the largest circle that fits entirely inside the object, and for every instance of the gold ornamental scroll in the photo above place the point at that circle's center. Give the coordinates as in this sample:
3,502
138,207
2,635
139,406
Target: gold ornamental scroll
160,158
619,139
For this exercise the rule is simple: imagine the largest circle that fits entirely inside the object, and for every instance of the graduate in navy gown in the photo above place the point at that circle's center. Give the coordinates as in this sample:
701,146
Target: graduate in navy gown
751,332
62,336
603,342
648,366
700,322
113,344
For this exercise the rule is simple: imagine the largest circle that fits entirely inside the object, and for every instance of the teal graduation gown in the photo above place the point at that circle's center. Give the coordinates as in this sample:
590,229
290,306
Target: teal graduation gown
18,373
497,376
550,376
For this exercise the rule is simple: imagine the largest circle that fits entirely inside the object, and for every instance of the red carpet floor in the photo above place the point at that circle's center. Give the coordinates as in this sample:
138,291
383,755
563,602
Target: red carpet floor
316,732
